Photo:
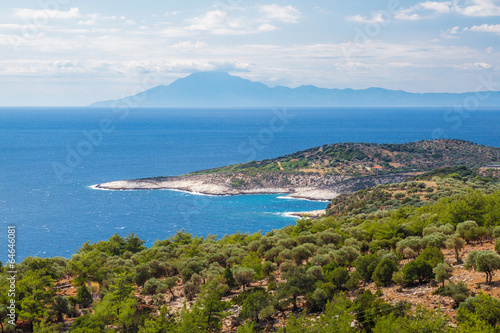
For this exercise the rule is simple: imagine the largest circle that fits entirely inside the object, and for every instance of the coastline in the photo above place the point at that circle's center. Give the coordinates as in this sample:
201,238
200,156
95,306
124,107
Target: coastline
311,214
314,187
214,190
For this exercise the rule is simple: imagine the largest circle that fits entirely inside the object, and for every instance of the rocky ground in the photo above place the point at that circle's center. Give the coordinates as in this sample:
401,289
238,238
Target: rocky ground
312,186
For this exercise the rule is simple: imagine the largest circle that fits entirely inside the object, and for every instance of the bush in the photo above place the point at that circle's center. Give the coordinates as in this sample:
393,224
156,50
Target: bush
365,266
339,277
151,286
479,308
459,292
432,255
442,272
436,239
253,305
382,275
417,269
466,227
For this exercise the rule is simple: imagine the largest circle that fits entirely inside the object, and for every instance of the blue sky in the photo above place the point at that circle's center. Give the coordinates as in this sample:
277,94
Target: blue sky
69,52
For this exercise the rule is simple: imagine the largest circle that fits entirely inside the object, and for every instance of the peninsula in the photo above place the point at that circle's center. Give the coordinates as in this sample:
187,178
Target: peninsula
322,173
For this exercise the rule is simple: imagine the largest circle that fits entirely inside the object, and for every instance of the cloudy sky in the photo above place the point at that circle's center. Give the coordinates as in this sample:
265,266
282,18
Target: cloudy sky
71,52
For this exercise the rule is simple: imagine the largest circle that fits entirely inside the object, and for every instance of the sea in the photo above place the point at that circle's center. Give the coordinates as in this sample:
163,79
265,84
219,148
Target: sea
51,157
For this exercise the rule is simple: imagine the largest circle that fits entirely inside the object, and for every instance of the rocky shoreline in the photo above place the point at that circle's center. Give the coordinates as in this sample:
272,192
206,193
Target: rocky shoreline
300,186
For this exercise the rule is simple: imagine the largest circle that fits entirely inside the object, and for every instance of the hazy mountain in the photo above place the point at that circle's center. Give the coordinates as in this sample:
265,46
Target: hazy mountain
218,89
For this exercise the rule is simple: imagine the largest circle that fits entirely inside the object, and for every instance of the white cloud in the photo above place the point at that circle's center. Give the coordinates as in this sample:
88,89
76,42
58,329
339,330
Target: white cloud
38,14
213,19
437,7
427,9
376,18
172,13
267,27
482,65
220,22
190,44
495,28
87,22
286,14
480,8
430,9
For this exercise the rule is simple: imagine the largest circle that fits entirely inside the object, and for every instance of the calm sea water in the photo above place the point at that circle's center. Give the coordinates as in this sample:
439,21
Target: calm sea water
49,158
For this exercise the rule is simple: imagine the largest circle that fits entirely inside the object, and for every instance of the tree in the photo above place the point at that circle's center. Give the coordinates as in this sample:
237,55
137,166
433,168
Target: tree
253,305
298,282
244,276
60,307
483,261
268,268
300,253
432,255
442,272
346,255
483,308
417,269
455,243
339,277
412,242
83,296
133,243
228,275
464,227
436,239
169,283
211,305
382,275
151,286
35,292
365,266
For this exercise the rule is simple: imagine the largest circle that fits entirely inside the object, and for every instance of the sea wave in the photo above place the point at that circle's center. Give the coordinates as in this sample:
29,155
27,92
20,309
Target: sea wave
292,198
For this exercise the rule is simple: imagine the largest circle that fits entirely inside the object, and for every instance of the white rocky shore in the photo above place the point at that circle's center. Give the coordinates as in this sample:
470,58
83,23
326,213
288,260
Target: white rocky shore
200,186
299,186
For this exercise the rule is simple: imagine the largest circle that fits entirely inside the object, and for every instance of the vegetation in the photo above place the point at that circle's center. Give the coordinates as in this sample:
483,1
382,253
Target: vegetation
324,275
371,158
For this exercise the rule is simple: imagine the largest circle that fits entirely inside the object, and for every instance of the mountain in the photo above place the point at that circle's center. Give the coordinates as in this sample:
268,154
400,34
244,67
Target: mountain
219,89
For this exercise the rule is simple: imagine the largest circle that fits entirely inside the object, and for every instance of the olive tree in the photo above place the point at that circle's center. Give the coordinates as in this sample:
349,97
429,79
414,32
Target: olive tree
456,243
483,261
442,272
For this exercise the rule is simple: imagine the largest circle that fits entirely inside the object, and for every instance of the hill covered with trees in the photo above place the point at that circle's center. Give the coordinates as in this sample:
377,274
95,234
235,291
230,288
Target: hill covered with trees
427,262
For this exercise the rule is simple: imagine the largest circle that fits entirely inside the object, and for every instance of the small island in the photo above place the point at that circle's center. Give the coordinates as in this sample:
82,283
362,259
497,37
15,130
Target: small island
323,173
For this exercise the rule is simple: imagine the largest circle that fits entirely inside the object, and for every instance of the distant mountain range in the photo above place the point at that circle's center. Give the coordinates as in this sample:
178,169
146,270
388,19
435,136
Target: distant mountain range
219,89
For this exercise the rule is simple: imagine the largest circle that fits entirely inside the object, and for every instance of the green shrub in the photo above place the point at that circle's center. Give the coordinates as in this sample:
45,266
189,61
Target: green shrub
417,269
382,275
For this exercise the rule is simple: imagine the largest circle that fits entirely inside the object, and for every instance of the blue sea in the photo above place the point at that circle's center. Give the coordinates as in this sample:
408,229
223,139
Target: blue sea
50,158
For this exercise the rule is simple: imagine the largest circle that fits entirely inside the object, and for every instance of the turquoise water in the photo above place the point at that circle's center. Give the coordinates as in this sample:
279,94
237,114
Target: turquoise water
49,158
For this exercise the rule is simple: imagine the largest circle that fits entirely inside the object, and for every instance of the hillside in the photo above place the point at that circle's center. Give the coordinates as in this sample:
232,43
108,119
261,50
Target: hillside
219,89
429,266
322,173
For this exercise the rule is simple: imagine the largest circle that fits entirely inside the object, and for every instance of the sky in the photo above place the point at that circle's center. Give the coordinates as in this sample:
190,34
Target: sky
74,53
